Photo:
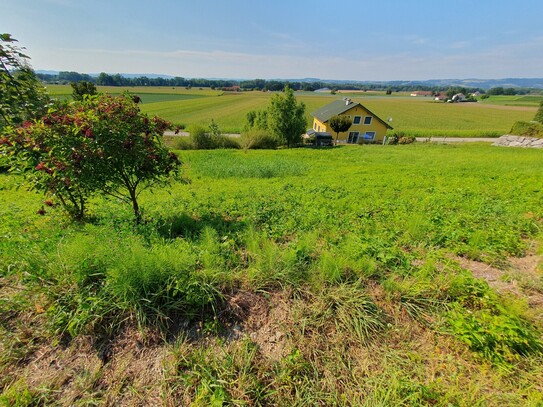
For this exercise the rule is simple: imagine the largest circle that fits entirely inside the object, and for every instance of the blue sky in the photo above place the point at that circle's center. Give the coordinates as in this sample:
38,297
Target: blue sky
342,39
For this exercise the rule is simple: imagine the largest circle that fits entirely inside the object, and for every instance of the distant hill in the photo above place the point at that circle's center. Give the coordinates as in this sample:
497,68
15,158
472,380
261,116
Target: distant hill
467,83
536,83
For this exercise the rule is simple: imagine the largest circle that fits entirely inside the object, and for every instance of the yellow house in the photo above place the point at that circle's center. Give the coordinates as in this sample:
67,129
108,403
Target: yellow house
366,127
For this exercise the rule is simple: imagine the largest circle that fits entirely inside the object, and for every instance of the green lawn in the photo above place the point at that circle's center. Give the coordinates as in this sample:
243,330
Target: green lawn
288,277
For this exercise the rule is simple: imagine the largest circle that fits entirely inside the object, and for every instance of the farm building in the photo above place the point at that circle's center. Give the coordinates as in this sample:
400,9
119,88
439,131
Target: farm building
366,128
422,93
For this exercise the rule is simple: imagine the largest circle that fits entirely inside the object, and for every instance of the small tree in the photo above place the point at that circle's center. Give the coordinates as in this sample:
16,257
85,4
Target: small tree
80,89
286,117
340,124
102,143
21,95
256,120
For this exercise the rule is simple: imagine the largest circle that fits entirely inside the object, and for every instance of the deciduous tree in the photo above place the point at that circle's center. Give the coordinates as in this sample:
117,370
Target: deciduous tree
340,124
101,143
21,95
286,117
80,89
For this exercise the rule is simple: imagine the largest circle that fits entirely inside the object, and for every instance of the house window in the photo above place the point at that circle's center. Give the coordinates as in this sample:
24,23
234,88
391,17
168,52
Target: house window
369,136
357,119
352,138
314,126
367,120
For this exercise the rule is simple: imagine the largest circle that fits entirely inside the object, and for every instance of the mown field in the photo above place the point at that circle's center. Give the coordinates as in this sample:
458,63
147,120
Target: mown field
363,275
421,117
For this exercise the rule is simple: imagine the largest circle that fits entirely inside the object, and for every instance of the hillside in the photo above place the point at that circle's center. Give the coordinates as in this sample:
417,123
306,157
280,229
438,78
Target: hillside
357,275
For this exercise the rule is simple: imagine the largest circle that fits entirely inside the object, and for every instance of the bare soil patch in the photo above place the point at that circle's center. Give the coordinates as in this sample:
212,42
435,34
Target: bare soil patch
263,320
521,277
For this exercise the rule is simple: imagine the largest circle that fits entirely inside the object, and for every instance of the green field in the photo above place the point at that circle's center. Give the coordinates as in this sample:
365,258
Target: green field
522,100
341,276
415,116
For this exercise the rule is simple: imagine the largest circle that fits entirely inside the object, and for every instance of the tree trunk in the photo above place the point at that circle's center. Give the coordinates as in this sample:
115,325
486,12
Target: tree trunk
135,206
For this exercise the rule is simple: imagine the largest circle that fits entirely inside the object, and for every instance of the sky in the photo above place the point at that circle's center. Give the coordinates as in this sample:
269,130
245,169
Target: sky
277,39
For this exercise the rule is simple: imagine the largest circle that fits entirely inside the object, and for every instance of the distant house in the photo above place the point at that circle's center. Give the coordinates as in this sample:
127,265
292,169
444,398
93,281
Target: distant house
232,89
422,93
440,96
367,127
459,97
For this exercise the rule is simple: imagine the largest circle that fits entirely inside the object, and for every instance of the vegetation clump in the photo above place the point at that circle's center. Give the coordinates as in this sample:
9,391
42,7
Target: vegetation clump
399,137
22,97
284,118
98,144
533,128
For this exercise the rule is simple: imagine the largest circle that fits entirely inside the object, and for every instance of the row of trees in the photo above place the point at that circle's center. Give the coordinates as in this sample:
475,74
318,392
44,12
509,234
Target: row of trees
104,79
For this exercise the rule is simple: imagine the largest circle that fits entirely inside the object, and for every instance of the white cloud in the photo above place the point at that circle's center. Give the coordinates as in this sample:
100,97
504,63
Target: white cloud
508,60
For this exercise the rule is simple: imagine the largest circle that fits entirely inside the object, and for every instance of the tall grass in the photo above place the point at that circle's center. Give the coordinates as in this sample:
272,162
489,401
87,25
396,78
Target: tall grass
231,164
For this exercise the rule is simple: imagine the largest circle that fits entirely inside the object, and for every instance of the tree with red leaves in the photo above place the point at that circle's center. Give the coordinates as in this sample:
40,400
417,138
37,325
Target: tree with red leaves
101,143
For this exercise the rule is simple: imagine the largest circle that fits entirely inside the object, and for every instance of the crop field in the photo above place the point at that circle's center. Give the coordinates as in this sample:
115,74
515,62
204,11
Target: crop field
521,100
356,275
415,116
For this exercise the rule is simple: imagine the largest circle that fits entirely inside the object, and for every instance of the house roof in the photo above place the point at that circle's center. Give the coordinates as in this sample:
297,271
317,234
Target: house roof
337,107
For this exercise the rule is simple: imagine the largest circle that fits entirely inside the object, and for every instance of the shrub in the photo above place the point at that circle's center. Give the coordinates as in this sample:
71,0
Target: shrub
257,139
180,143
101,143
199,138
528,129
539,115
399,137
211,139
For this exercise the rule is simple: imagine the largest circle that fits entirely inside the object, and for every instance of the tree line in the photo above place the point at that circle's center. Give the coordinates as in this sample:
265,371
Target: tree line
104,79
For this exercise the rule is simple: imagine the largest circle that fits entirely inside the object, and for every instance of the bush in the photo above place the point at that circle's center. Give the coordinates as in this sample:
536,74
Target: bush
98,144
539,115
202,139
180,143
257,139
223,141
528,129
400,137
199,138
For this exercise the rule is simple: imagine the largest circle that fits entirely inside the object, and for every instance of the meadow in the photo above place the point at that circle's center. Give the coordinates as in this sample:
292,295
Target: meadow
341,276
421,117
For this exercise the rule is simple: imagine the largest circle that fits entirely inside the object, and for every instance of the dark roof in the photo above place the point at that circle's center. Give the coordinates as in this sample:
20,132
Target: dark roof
337,107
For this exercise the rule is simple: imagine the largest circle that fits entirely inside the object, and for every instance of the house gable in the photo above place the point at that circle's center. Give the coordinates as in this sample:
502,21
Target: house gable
339,107
366,127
